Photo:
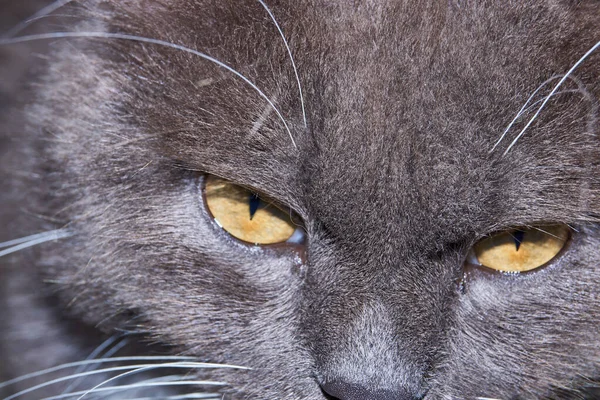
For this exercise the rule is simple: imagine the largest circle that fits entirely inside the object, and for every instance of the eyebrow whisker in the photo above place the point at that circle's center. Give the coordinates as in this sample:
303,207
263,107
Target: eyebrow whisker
141,39
291,59
558,85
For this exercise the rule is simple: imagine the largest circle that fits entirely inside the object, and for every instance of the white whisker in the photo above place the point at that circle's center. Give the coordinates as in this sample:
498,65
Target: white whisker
546,232
140,385
291,59
41,13
175,378
28,238
141,39
521,111
142,368
185,396
115,349
33,240
97,351
568,91
92,362
136,369
564,78
166,378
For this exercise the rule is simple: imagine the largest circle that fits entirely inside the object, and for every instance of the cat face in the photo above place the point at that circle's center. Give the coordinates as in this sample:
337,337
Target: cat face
389,157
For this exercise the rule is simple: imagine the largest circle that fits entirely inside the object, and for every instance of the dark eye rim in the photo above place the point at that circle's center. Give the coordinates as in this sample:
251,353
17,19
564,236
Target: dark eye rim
282,246
470,267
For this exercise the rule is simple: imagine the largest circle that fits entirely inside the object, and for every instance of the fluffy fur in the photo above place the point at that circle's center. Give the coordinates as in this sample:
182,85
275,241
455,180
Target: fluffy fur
393,176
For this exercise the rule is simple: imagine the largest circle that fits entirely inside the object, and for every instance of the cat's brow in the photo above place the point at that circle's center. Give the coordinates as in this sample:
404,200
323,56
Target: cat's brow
526,108
134,38
523,110
291,58
61,3
558,85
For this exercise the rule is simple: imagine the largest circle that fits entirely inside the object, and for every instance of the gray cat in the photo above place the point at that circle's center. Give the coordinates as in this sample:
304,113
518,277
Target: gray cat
440,162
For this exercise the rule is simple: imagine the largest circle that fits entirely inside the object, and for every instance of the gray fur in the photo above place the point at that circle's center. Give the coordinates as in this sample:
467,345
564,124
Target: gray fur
393,178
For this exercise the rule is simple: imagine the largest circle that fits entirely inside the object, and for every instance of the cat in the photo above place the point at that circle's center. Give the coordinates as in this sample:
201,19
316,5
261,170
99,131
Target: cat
399,134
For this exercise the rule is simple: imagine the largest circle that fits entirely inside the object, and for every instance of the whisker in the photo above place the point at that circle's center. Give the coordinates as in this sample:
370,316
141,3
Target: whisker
116,348
291,59
49,9
28,238
537,228
568,91
141,39
33,240
564,78
135,368
91,362
521,111
140,385
142,368
97,351
166,378
174,378
529,108
185,396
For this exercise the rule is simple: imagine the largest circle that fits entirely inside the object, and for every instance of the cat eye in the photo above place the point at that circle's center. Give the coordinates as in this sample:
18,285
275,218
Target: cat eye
247,216
521,250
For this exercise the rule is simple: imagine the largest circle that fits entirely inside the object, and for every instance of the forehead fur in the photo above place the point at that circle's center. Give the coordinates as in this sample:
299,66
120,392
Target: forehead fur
411,96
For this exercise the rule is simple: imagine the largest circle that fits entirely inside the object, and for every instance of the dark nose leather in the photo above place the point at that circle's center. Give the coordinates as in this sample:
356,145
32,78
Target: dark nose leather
348,391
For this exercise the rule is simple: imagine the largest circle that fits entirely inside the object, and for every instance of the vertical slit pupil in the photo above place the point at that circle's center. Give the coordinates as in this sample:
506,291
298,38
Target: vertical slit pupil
518,237
254,202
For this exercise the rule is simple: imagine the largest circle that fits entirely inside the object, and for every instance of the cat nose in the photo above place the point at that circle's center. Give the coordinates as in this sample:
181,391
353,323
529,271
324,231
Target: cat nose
349,391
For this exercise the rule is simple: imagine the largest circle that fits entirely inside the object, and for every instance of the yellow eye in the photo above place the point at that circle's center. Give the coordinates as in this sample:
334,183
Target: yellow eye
521,250
244,215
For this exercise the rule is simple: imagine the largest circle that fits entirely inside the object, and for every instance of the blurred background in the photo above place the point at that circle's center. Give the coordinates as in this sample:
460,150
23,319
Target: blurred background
17,69
18,64
14,59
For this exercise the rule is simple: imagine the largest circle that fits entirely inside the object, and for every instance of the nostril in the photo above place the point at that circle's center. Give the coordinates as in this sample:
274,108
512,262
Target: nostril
348,391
